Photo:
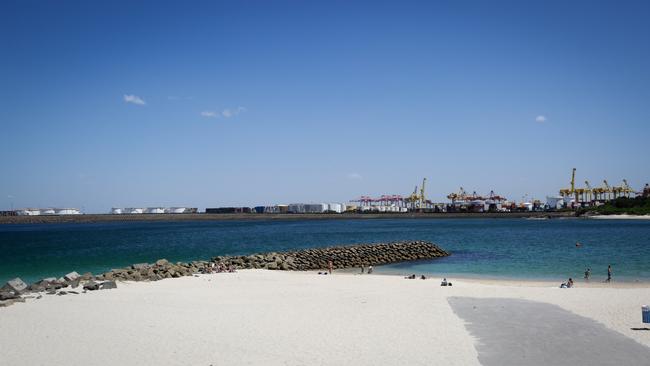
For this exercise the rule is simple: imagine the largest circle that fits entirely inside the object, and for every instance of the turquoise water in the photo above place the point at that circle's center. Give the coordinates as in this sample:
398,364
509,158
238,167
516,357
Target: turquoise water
500,248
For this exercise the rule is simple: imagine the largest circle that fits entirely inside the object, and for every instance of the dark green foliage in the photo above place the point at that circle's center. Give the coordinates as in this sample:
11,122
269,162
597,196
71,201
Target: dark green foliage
632,206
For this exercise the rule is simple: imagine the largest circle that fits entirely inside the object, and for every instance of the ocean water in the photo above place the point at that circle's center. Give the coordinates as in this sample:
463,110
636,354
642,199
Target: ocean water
495,248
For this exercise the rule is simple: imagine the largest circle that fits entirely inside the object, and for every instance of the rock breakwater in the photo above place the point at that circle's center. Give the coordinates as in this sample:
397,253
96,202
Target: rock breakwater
341,256
303,260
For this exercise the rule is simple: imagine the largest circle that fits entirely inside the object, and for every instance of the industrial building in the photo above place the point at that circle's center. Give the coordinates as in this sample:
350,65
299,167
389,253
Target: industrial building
316,208
228,210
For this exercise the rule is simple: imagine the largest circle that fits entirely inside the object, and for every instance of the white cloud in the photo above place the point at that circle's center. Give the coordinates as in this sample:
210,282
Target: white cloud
209,114
354,176
130,98
227,113
540,119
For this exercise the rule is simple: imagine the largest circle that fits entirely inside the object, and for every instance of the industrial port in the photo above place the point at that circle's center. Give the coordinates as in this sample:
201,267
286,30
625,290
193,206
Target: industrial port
568,199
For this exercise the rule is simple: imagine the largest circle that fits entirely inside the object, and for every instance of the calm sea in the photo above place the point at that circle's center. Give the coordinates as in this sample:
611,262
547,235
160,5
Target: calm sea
498,248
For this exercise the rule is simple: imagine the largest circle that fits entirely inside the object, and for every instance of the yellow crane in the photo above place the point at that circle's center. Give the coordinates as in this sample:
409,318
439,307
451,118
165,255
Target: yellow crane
608,190
566,192
418,200
422,197
618,191
627,190
588,192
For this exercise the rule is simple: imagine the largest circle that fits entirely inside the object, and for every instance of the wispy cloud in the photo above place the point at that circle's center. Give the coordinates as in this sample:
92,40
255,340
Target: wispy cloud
209,114
225,113
540,119
354,176
131,98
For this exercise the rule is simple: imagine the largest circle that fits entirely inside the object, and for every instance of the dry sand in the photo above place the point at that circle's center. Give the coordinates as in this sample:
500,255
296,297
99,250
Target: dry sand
620,217
258,317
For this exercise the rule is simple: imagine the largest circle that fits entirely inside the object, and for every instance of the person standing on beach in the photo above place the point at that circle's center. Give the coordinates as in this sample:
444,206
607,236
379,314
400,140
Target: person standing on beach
609,273
330,266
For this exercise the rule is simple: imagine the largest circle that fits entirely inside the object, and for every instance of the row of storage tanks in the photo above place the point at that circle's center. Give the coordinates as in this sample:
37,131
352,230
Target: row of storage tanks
151,210
47,211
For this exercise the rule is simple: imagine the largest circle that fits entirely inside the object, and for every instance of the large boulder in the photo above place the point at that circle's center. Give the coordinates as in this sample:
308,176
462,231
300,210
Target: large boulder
92,286
140,266
108,285
16,285
71,276
8,294
162,262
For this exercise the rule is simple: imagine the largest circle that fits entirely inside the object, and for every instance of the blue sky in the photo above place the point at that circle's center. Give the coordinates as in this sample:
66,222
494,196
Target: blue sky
130,103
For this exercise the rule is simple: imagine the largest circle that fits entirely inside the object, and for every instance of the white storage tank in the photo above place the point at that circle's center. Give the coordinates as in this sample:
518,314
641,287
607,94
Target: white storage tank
48,211
116,211
155,210
176,210
67,211
28,212
335,207
554,202
133,210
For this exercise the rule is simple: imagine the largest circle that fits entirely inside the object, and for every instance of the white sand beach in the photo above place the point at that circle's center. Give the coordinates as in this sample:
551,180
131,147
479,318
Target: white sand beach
256,317
620,217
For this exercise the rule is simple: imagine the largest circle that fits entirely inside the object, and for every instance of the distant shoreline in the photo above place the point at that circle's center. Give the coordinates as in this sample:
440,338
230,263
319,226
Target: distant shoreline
95,218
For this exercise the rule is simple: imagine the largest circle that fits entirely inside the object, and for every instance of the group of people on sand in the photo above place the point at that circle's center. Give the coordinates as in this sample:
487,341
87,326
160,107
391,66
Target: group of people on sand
412,277
587,277
444,281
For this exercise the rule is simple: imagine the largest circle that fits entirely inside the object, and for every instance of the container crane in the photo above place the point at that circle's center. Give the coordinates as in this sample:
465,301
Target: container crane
608,190
567,192
588,192
460,196
627,190
422,197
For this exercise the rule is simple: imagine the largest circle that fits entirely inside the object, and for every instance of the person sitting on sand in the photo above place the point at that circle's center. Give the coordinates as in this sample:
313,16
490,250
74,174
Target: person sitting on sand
569,283
411,277
422,277
444,282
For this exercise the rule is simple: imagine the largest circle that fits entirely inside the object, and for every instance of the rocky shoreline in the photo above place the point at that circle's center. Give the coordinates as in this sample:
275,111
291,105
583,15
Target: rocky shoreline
341,257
